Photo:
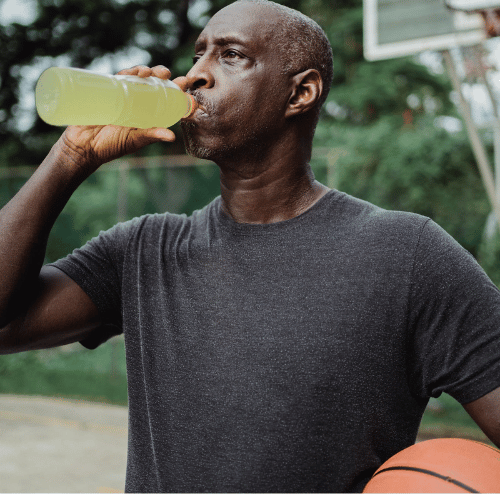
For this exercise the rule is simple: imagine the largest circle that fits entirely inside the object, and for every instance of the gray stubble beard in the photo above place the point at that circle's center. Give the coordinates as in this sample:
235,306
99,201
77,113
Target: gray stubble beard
193,149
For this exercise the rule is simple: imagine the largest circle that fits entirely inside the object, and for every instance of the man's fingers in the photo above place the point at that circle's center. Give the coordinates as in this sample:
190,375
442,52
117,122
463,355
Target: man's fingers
129,71
156,134
182,82
161,72
139,138
164,134
142,71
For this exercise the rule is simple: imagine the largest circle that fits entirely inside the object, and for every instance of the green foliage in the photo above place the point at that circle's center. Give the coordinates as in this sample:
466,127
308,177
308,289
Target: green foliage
450,411
422,170
10,364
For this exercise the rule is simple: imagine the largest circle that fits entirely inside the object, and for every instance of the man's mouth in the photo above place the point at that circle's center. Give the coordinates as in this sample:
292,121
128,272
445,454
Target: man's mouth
204,105
201,112
194,118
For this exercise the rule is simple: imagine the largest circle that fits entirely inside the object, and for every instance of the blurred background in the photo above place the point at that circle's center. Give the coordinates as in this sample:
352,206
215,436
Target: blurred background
391,133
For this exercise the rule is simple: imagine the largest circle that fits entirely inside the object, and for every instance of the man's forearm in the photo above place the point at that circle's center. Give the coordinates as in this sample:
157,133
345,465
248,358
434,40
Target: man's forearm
25,225
26,221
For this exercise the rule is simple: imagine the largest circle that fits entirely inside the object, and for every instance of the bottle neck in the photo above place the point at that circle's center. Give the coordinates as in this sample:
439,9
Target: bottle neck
192,105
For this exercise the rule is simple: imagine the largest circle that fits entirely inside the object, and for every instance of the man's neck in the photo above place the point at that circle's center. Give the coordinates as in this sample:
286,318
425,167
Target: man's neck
269,190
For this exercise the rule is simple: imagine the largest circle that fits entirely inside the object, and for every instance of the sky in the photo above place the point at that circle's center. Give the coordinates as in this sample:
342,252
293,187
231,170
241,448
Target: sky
17,11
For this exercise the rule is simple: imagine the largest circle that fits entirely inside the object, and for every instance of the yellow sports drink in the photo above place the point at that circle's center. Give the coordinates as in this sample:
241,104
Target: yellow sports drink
70,96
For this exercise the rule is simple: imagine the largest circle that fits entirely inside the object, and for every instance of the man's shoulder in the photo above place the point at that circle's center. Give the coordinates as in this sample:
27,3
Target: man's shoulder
360,215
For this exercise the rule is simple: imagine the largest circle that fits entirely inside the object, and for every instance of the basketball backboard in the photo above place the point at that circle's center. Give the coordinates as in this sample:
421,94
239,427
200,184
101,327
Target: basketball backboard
396,28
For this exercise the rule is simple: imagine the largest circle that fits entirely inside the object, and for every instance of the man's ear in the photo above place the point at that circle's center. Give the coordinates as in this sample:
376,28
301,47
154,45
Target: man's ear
306,91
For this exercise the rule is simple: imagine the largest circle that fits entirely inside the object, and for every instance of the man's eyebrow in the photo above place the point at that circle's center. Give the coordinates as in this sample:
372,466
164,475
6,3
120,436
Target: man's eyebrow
222,42
230,40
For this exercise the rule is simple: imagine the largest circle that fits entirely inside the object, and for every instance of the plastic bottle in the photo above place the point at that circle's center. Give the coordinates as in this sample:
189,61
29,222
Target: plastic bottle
69,96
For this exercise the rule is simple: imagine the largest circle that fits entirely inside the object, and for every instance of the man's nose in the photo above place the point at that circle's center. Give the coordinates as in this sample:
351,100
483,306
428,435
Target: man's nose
200,76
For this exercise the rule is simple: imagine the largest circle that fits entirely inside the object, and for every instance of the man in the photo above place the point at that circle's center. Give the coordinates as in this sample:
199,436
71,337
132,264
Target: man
285,338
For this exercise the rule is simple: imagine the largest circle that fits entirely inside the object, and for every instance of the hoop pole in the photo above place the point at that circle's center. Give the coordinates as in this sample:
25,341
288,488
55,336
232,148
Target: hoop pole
483,77
476,143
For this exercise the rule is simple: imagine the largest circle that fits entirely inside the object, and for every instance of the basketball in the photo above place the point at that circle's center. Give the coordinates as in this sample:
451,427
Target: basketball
440,466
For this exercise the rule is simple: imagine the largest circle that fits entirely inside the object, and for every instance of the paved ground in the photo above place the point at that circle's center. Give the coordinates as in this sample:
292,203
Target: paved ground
52,445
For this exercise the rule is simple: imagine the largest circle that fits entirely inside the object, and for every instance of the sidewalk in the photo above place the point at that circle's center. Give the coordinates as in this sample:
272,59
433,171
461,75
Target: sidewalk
53,445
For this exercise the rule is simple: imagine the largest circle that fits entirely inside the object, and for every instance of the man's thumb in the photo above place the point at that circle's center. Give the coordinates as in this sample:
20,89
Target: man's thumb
182,81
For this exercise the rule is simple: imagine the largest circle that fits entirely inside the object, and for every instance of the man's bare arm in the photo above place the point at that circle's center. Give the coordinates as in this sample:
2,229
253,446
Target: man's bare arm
44,307
25,224
60,313
486,413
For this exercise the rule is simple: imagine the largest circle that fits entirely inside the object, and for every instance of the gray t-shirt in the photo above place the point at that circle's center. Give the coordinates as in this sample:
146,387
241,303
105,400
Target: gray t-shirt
289,357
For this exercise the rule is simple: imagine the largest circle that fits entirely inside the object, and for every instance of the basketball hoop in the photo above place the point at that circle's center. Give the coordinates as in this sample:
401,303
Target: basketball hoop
489,10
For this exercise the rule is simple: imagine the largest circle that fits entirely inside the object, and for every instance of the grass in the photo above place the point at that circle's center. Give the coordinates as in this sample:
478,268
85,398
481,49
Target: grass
444,409
70,372
100,375
446,417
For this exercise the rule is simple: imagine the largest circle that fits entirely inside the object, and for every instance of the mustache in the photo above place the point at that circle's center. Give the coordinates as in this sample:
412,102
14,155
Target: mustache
204,103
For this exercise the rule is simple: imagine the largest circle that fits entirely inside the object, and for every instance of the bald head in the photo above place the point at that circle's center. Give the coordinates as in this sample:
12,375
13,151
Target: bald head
302,42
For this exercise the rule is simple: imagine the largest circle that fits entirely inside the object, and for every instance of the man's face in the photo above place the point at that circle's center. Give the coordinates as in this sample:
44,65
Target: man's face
238,81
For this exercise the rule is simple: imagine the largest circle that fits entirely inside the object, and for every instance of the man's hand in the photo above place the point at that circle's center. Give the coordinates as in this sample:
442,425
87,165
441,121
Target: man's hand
93,146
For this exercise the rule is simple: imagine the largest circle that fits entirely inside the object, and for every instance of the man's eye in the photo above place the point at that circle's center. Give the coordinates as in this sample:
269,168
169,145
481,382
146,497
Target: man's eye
231,54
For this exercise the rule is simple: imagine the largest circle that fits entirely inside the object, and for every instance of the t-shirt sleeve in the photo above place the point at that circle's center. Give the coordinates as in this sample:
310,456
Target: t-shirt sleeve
454,321
97,269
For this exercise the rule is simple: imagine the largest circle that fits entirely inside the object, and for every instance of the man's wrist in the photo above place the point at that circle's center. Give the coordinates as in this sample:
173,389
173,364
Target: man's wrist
73,158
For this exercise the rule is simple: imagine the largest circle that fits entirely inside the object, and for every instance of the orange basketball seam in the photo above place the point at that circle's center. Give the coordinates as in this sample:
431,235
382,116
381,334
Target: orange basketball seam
430,473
